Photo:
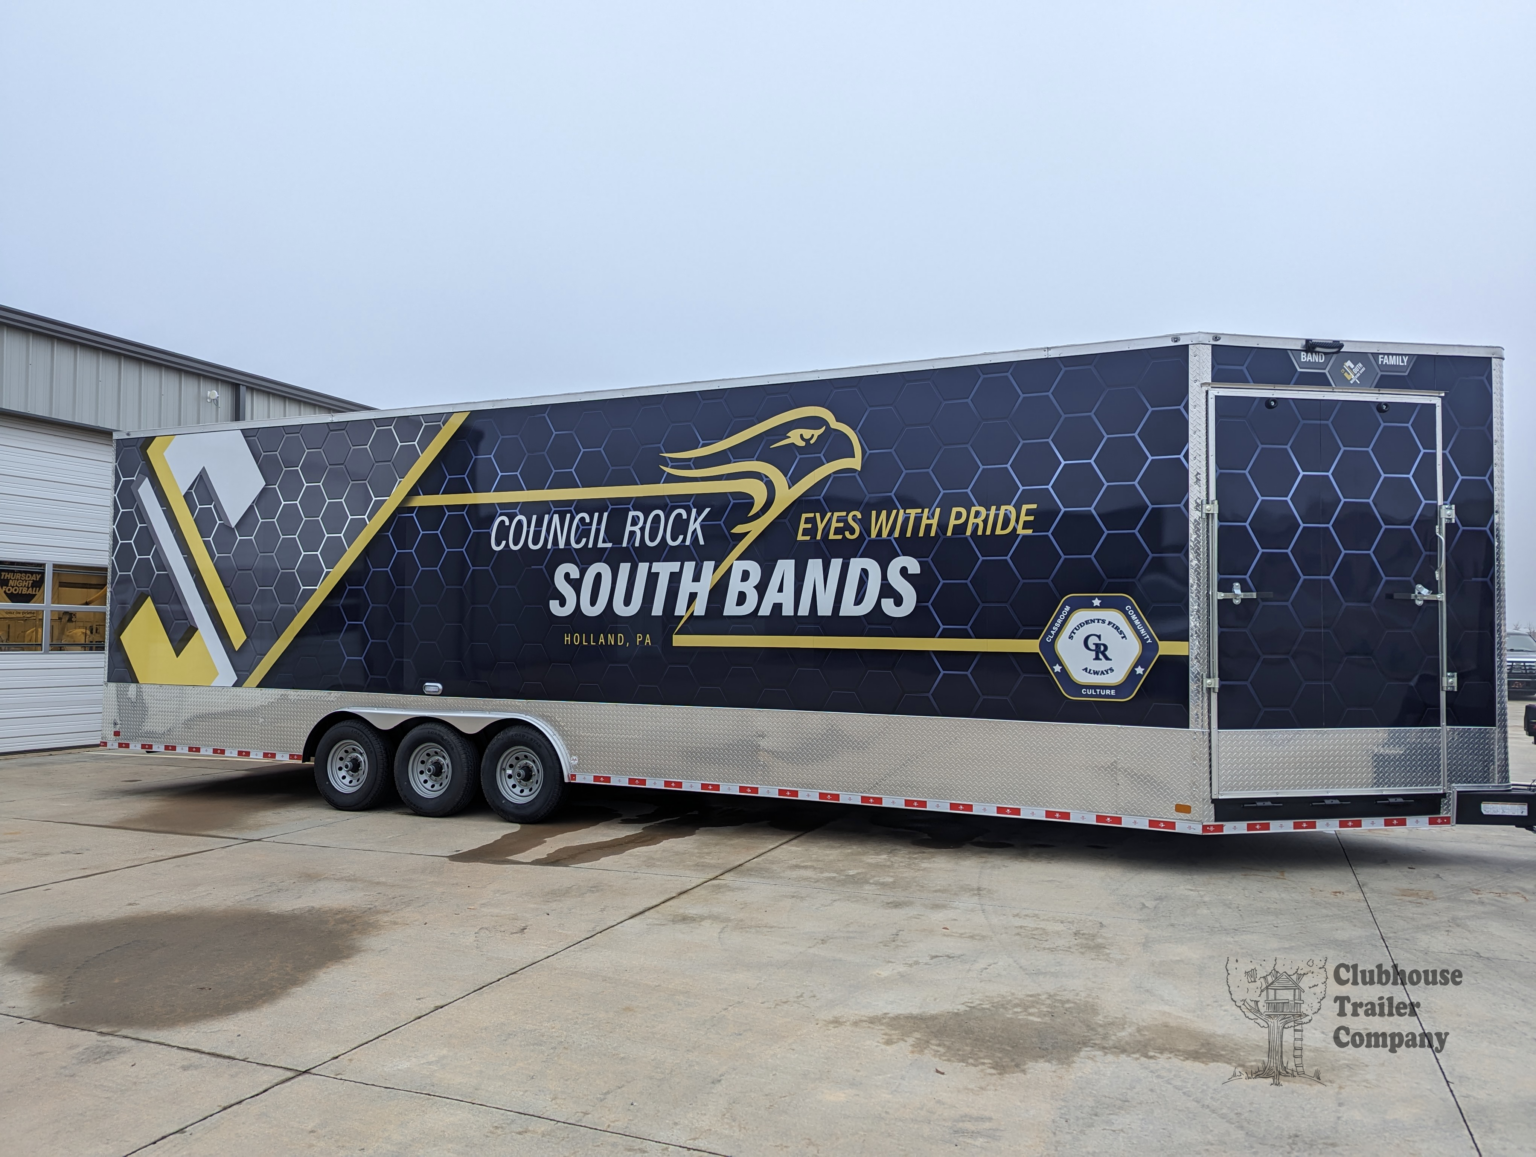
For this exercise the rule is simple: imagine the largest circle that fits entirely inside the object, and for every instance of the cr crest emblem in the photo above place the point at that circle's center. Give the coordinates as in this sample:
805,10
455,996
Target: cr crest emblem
1098,647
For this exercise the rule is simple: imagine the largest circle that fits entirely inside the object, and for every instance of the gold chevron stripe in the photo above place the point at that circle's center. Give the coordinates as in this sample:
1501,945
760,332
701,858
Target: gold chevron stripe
751,487
359,544
201,559
880,643
858,643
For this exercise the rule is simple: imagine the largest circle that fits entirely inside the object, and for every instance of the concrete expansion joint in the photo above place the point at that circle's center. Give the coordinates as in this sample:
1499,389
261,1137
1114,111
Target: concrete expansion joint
1416,1014
682,1148
233,840
117,1034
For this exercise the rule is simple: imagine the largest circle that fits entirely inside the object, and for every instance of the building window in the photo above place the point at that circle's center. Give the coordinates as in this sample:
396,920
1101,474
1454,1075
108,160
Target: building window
23,591
46,607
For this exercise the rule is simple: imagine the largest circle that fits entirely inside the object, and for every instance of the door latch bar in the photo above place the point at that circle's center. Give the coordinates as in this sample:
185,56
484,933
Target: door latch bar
1420,595
1237,594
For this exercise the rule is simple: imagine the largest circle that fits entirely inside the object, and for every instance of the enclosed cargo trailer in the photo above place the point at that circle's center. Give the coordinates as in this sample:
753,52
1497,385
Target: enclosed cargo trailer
1200,583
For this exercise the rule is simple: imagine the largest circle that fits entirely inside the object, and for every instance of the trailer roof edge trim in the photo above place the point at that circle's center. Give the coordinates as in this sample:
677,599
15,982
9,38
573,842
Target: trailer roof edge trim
1036,353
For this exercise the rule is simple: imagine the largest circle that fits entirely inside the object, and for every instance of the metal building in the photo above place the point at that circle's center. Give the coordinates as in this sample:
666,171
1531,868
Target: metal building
63,391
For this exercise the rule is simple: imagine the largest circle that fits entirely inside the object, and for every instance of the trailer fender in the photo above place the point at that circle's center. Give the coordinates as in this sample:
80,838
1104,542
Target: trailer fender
471,723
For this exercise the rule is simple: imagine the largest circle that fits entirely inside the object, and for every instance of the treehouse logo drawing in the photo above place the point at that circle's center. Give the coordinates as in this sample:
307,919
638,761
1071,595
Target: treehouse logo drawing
1283,996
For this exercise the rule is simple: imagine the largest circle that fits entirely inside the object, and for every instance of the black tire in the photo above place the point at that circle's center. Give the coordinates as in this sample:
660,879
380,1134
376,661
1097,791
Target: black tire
521,776
352,766
435,770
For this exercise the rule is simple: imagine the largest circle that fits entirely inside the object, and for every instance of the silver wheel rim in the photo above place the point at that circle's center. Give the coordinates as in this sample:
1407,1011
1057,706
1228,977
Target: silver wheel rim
431,768
346,767
519,774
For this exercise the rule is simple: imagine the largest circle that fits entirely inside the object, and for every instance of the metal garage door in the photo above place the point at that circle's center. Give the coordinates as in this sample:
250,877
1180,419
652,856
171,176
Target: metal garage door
55,506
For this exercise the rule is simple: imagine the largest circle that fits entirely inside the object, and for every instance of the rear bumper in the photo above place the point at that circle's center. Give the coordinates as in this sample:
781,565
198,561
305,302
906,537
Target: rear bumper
1506,806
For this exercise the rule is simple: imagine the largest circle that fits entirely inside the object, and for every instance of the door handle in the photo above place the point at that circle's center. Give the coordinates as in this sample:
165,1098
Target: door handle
1237,594
1420,595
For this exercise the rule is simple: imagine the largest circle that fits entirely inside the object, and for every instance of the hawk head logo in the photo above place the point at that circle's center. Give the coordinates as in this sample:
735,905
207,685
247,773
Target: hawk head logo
780,472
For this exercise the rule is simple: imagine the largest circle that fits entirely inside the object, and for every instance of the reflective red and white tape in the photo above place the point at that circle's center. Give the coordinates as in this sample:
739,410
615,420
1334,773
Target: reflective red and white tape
1190,827
199,749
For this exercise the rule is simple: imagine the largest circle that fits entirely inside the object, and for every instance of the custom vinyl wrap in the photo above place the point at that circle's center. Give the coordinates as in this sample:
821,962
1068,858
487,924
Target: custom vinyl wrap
988,581
1331,505
879,479
1333,526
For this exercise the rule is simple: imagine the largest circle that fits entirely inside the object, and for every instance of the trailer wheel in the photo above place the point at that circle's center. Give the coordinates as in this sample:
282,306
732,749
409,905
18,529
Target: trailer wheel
352,766
521,776
435,770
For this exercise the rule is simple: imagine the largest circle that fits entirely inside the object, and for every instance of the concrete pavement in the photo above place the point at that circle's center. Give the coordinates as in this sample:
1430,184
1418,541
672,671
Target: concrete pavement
198,956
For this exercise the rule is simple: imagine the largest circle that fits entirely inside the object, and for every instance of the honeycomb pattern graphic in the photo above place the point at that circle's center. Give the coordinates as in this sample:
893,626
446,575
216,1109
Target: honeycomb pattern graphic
1097,443
1383,649
136,566
1327,507
324,481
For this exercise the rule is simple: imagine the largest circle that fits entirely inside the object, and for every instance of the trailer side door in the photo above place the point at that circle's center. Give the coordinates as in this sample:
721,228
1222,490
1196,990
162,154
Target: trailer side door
1326,599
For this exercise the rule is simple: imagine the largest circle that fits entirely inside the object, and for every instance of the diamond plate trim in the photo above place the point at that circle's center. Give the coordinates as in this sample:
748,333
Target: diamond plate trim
1474,753
1098,768
1500,607
1350,759
1199,561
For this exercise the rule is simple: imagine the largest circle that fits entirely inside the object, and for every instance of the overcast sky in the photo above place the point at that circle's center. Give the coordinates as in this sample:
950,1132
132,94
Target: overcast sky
413,204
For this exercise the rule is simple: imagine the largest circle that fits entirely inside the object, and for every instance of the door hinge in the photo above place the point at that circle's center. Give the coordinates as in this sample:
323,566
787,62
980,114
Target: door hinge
1210,508
1212,683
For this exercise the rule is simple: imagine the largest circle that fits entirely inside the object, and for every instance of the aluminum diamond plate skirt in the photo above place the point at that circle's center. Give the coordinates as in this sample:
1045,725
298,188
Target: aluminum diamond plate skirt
1350,759
1085,767
1477,755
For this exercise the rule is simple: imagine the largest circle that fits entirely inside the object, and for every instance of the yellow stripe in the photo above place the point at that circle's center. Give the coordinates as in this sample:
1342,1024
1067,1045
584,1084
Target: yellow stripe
195,545
359,544
857,643
879,643
748,486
